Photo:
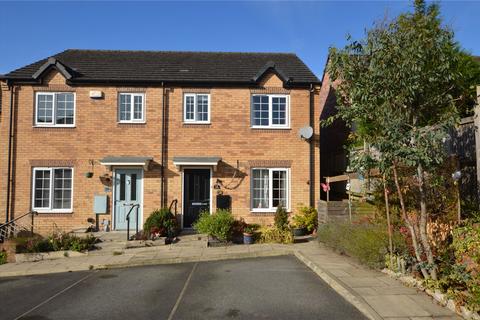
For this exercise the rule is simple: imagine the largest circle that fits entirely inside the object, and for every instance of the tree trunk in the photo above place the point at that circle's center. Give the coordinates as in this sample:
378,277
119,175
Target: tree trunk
423,223
387,209
410,227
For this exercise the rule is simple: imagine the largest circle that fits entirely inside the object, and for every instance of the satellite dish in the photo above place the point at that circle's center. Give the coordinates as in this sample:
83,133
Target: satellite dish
305,133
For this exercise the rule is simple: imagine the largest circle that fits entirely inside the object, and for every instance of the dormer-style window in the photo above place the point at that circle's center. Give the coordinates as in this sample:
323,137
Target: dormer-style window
131,107
270,111
196,108
55,109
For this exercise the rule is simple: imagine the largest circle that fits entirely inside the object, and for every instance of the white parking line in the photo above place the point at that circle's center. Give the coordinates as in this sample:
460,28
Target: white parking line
55,295
180,296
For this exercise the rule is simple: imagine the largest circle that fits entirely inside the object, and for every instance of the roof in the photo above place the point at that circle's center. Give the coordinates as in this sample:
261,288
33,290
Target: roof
105,66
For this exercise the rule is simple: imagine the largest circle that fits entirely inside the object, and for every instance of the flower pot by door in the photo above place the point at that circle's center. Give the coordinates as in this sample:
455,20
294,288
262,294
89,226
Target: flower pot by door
248,238
298,232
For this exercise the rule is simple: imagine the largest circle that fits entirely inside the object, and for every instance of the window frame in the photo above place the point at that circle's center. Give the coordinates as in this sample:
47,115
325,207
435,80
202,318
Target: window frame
270,189
132,107
270,112
195,108
50,208
54,109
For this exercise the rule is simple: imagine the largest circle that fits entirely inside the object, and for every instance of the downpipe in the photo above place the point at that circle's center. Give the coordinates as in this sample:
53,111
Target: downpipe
9,161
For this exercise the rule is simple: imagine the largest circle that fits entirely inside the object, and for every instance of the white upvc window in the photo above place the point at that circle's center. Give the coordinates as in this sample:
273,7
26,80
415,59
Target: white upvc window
131,107
196,108
270,111
52,189
269,189
55,109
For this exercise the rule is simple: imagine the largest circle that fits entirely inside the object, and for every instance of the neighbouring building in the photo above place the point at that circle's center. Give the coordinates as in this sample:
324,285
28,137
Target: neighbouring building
186,130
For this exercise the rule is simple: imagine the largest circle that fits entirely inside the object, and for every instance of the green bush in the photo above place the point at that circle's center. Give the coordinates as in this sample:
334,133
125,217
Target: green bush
162,222
275,235
281,218
3,257
251,228
311,218
307,217
461,279
366,242
218,225
58,241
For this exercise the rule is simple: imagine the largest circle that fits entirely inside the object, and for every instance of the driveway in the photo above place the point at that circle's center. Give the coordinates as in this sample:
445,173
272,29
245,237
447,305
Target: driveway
261,288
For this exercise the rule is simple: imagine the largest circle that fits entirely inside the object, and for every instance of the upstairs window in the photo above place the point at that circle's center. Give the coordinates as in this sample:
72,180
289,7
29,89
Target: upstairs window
55,109
52,189
270,111
269,189
196,108
131,107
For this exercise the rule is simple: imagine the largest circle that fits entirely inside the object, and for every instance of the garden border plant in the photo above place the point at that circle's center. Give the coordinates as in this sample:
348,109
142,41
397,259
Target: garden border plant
218,225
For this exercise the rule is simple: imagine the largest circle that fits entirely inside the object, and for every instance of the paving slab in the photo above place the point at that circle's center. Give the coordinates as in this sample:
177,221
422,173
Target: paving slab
377,296
396,306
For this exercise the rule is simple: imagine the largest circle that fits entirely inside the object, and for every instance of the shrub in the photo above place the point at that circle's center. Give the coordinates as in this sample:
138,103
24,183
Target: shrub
58,241
162,222
298,221
3,257
275,235
311,218
251,228
281,218
461,279
307,217
218,225
366,242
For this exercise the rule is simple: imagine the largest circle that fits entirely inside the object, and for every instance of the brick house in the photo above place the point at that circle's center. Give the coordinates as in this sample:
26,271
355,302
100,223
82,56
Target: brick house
198,130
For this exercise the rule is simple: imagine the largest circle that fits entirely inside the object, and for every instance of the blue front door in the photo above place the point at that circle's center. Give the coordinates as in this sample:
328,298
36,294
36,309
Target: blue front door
128,183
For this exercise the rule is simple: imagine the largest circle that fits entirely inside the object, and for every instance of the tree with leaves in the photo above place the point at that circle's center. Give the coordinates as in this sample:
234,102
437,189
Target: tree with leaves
399,88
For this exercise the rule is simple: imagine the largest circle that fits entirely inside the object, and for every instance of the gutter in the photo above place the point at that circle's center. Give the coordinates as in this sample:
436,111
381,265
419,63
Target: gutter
9,161
142,82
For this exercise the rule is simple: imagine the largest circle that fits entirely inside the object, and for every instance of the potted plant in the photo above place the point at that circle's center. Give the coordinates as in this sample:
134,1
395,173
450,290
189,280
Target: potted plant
88,174
218,226
298,225
248,233
171,230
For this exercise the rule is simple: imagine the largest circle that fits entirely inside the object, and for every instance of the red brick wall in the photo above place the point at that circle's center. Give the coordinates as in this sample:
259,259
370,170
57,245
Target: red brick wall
97,134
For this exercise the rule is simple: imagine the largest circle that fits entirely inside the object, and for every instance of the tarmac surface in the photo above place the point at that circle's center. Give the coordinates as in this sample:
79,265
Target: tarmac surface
260,288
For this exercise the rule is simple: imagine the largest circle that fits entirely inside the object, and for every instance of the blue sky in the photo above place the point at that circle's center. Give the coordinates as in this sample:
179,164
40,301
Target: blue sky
31,31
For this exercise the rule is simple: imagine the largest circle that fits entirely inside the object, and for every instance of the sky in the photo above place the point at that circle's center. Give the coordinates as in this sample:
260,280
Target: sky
35,30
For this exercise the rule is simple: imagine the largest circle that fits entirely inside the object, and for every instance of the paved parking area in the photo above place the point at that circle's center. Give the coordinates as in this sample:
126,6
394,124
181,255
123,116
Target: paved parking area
260,288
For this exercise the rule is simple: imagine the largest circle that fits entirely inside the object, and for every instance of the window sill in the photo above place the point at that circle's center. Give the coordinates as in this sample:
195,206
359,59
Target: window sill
55,126
266,211
196,123
271,128
131,122
42,212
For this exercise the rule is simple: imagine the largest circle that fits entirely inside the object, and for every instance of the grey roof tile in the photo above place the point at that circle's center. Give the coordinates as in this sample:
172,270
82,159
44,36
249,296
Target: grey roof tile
171,66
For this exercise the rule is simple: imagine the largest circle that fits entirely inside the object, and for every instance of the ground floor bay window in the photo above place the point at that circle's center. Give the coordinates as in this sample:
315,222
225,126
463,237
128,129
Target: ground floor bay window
52,189
269,189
